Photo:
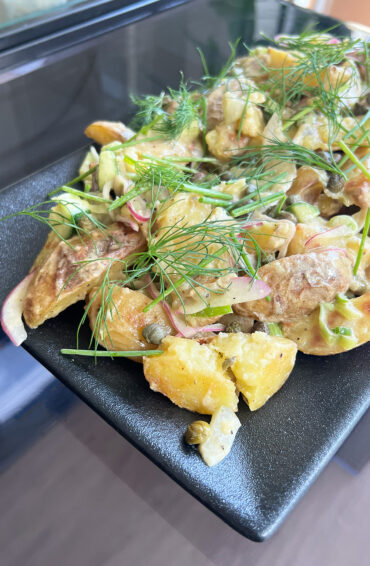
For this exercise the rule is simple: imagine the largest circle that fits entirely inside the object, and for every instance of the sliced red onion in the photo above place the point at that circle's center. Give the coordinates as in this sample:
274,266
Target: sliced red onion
333,41
252,224
323,238
240,290
178,321
139,210
11,312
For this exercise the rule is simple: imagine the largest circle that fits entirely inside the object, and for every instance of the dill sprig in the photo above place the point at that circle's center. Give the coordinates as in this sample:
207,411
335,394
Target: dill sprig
152,112
276,149
41,212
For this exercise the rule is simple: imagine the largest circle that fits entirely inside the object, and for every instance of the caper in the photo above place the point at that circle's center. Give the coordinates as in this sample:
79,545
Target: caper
336,183
236,323
360,108
260,327
154,333
197,432
234,326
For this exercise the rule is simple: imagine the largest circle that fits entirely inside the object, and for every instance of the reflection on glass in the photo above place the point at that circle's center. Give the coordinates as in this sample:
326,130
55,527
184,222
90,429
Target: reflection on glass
15,11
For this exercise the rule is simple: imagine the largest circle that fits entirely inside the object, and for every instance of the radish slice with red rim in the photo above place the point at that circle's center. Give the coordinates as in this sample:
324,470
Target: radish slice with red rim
11,312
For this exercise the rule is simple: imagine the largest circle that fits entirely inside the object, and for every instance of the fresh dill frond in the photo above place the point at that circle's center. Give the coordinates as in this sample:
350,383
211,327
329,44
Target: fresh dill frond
41,213
209,81
285,151
150,108
186,112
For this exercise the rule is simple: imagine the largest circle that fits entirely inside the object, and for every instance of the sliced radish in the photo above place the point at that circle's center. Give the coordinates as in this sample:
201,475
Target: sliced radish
240,290
138,208
11,312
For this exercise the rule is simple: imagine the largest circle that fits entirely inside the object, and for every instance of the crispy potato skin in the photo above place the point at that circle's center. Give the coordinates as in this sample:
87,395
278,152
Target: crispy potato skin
306,332
56,284
357,188
262,363
123,330
191,375
298,284
51,243
104,132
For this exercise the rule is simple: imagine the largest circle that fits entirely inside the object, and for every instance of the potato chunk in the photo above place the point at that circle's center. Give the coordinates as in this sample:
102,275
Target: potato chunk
191,375
299,283
124,325
62,278
261,363
306,331
104,132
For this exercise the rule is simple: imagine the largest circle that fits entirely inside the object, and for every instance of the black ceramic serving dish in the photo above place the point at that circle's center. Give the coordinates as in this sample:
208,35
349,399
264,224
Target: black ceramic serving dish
281,448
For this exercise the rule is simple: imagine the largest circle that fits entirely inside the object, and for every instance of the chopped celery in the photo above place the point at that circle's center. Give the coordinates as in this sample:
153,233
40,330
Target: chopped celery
346,308
274,329
345,337
63,217
213,311
108,168
344,220
340,335
327,334
303,211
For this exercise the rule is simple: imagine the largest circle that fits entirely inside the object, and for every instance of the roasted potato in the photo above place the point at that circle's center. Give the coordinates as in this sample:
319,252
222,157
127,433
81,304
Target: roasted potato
305,332
260,363
299,283
125,320
191,375
272,235
62,280
104,132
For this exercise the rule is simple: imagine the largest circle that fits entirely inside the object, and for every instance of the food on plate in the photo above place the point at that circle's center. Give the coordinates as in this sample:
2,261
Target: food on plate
221,231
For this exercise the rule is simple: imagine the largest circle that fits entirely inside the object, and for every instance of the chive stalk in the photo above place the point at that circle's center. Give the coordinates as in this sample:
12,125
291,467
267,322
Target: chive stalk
74,181
255,205
110,354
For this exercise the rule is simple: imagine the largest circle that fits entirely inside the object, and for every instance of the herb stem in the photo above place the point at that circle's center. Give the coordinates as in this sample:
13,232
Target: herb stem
214,201
128,196
362,243
254,205
74,181
354,158
182,280
206,192
83,195
297,117
110,354
133,142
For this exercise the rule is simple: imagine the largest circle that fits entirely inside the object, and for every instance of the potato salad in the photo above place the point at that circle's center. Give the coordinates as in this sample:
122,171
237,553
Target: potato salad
221,231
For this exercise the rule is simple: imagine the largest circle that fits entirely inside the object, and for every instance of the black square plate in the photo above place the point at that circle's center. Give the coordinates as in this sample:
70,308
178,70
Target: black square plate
279,450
